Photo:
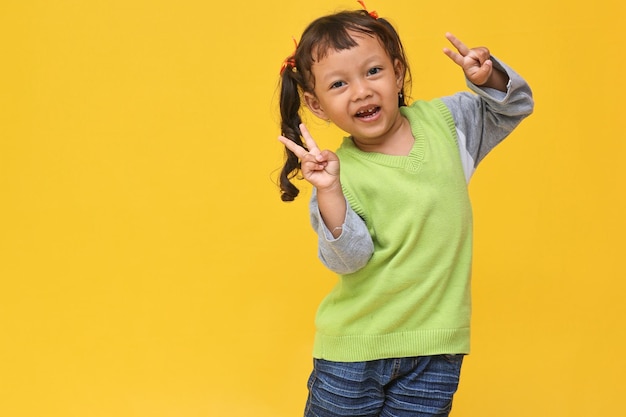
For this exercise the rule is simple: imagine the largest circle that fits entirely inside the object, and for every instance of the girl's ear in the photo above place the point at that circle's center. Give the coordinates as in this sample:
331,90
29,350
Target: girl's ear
398,69
314,105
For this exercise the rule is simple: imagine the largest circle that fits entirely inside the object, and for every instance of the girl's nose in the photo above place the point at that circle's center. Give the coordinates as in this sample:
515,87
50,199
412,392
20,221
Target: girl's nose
361,90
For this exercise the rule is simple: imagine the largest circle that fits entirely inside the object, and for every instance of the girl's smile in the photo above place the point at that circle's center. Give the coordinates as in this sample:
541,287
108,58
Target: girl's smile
368,113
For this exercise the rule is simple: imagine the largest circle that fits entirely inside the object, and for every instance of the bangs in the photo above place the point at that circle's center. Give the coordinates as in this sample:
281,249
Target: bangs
337,38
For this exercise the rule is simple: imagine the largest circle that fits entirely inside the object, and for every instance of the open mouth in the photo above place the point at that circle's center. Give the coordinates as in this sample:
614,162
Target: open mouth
368,113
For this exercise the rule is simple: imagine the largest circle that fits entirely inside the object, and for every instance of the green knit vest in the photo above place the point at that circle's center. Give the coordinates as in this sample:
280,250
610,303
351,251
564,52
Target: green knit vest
413,296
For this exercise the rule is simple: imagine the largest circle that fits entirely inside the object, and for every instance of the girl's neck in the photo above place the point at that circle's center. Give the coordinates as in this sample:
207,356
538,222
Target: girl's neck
397,141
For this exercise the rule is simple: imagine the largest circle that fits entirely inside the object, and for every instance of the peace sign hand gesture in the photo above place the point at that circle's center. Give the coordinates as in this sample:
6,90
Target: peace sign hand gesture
320,168
476,64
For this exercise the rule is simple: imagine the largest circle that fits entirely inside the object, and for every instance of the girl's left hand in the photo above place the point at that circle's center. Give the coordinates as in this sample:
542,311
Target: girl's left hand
476,62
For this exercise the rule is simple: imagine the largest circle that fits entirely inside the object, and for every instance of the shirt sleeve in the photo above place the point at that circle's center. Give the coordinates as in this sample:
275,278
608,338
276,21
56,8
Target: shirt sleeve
351,250
485,118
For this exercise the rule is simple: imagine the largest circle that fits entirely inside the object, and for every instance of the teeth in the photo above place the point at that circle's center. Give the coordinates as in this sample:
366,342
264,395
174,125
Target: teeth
371,110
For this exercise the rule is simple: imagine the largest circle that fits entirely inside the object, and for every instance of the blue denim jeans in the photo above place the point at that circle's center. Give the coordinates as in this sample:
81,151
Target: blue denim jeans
406,387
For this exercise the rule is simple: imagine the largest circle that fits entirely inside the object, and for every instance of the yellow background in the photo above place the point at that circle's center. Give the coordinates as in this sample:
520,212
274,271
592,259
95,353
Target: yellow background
149,268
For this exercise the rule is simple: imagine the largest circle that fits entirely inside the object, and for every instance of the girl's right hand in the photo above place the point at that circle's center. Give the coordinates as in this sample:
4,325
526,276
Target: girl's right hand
320,168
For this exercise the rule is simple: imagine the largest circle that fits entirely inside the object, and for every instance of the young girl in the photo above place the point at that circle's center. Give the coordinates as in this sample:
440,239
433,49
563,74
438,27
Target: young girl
395,223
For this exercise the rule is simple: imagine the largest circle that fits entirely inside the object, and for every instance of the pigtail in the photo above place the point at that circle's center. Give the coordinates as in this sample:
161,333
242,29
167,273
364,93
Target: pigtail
290,127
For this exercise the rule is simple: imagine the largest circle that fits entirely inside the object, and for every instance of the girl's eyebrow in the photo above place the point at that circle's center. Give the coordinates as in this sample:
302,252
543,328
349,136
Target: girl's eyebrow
333,75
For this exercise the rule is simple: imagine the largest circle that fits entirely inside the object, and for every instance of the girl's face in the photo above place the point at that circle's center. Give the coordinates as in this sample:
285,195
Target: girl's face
357,89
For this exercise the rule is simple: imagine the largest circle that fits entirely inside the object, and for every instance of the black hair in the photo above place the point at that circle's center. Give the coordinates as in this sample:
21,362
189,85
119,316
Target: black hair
325,34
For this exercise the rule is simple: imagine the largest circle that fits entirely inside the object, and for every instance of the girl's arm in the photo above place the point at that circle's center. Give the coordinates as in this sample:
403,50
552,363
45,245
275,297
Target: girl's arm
485,118
332,207
321,168
351,249
345,244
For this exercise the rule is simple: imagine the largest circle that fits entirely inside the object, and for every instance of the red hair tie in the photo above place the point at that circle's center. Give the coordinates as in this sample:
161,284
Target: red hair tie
290,60
372,13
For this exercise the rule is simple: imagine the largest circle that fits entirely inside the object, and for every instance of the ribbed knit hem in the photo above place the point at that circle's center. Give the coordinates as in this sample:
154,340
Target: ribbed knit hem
397,345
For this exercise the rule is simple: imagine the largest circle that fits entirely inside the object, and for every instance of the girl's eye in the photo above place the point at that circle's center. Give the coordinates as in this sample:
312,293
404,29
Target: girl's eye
337,84
374,71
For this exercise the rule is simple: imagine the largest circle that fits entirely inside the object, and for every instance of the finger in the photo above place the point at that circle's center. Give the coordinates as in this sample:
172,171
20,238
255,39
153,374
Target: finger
457,58
480,74
460,46
308,140
298,150
483,54
485,70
